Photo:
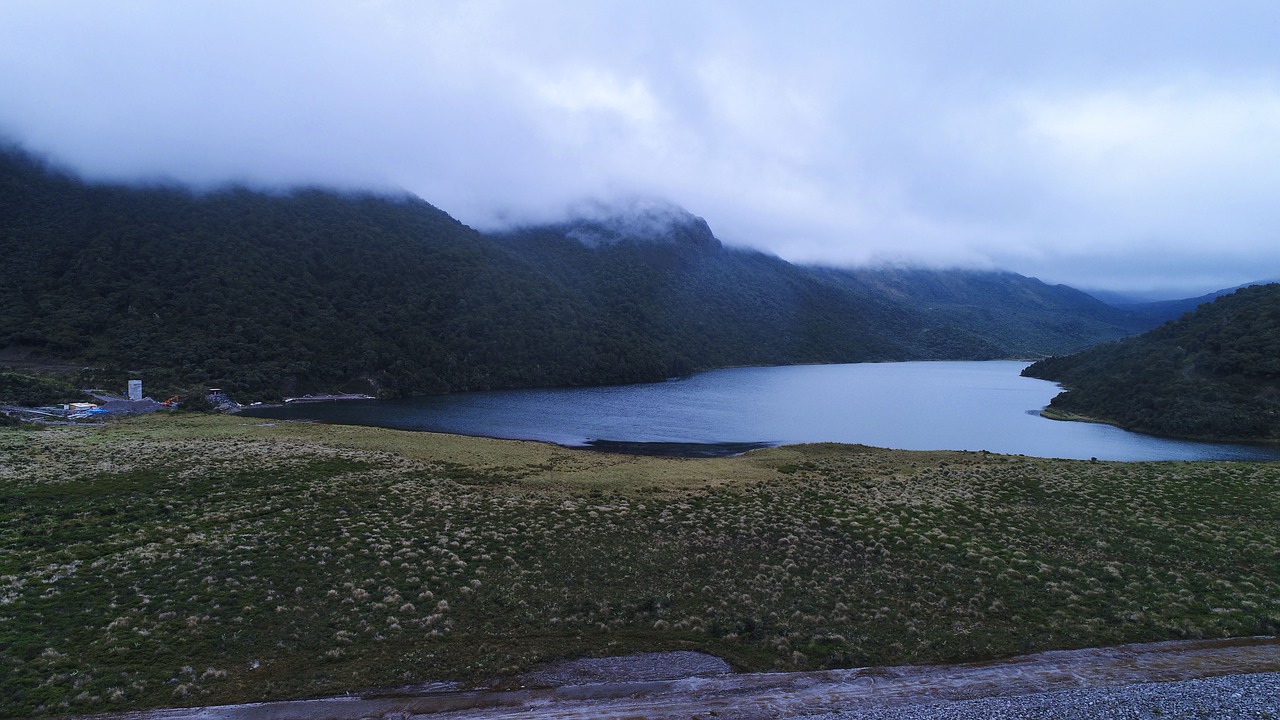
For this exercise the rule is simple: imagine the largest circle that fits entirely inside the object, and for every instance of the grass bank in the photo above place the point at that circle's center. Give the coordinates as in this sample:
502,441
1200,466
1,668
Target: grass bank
194,560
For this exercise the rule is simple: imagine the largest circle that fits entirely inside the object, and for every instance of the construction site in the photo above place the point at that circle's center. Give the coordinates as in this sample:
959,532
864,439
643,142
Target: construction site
104,404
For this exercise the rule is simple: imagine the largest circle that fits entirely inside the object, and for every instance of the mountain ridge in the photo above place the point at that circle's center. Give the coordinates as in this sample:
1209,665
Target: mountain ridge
271,294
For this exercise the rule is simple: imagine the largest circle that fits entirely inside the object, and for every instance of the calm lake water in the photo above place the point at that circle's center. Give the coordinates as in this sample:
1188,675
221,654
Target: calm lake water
908,406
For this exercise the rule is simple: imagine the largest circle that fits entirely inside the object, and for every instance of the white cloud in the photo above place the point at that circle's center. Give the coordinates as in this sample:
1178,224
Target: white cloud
1173,136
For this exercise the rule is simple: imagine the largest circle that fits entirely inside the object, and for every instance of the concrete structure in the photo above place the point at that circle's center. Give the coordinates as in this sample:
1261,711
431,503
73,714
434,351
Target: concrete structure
135,390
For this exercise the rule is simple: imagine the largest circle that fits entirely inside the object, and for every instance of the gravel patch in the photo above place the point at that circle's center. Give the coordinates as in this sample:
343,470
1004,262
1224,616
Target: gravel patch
1232,697
1092,684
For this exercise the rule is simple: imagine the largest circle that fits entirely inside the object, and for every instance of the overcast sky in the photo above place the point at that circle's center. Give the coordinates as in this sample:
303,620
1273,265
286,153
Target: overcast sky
1120,145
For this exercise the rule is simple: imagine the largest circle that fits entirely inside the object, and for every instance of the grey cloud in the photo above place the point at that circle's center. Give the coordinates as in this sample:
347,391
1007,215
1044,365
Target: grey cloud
1099,144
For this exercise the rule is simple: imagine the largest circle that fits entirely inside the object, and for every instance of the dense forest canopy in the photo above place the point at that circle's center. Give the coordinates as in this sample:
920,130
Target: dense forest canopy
1213,373
270,294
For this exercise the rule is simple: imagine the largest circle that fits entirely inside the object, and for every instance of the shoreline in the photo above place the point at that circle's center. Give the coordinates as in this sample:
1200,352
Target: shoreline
1061,416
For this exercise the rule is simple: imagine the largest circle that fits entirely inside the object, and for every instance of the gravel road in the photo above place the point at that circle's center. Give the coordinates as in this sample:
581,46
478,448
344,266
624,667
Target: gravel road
1238,678
1234,697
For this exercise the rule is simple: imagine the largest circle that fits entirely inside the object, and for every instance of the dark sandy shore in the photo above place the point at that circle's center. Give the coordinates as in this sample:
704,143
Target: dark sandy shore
1237,678
675,449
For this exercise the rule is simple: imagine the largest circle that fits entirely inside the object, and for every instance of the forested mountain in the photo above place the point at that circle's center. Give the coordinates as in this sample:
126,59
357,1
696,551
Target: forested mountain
1214,373
810,314
269,294
280,294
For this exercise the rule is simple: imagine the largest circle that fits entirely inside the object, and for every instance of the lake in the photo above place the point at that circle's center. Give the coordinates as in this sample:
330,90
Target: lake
908,406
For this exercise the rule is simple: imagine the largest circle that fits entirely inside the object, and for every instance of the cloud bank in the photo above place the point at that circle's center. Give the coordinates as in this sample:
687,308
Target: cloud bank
1125,145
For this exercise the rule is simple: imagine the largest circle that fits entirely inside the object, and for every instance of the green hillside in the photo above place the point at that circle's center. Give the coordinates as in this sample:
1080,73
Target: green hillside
1214,373
276,294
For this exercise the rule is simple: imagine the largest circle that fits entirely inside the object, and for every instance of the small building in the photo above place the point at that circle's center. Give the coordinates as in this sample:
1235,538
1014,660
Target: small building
135,390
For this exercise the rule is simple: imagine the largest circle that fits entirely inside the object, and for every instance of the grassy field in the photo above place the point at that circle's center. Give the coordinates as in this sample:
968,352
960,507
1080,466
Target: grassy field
188,560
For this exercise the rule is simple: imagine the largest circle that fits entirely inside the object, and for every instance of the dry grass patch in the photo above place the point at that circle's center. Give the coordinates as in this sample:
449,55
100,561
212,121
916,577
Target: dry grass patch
193,560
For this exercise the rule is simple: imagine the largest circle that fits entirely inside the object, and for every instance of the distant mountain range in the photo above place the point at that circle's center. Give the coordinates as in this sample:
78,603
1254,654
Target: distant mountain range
1159,311
277,294
1212,374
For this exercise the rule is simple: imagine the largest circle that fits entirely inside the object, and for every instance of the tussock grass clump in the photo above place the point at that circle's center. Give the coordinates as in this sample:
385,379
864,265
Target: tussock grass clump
163,562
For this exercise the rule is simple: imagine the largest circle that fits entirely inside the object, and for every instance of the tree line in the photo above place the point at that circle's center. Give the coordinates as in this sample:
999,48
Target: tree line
1213,374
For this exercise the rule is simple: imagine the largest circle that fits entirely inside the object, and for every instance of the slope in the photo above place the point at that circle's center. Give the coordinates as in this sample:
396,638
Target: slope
1213,374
